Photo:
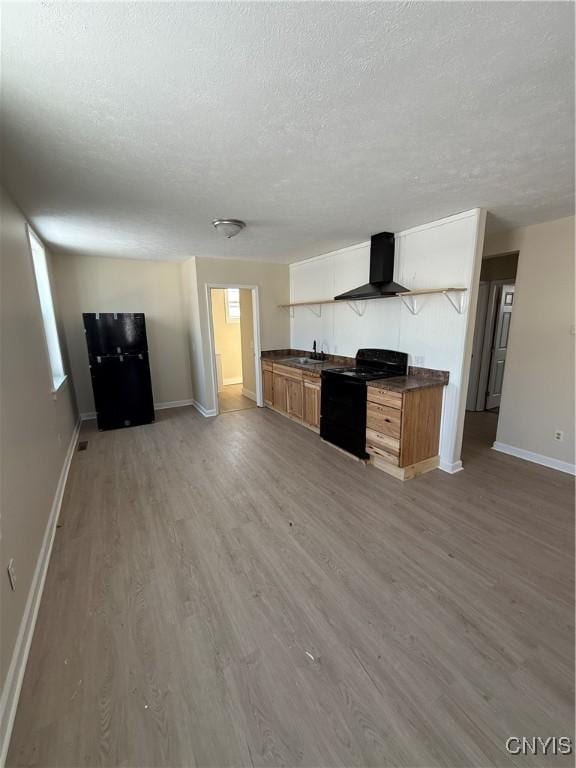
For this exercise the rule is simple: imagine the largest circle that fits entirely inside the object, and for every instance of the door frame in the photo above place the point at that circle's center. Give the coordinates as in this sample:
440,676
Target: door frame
256,340
489,330
472,395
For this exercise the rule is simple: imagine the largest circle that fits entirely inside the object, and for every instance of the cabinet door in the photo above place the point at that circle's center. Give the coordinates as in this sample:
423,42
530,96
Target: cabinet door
421,419
279,392
312,404
268,387
295,398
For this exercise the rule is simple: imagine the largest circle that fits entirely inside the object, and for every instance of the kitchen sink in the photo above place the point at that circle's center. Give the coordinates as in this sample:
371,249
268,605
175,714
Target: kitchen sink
302,360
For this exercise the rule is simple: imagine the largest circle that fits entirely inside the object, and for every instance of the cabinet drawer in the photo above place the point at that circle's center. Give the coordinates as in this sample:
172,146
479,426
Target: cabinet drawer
290,373
383,419
384,443
385,397
374,450
311,378
266,365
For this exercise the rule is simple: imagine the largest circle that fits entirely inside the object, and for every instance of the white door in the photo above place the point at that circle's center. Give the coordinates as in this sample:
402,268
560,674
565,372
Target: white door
500,346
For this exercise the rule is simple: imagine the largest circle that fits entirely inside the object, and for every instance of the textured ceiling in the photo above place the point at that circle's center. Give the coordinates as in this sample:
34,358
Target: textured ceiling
129,126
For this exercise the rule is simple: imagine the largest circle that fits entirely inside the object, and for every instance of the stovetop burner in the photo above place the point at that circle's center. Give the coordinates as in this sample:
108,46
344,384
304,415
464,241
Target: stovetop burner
365,374
374,364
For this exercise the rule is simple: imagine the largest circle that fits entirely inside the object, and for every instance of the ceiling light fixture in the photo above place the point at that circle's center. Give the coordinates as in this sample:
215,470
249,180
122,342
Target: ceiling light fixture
229,227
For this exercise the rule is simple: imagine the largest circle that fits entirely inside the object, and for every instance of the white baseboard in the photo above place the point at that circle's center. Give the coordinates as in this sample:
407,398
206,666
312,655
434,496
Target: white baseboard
157,407
15,675
234,380
204,411
450,466
536,458
250,395
172,404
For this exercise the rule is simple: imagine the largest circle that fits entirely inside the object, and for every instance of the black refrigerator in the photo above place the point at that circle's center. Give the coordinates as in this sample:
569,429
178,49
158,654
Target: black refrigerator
119,367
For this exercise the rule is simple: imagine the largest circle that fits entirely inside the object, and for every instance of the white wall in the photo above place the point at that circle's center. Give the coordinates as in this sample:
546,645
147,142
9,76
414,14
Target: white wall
100,284
538,390
193,333
35,446
440,254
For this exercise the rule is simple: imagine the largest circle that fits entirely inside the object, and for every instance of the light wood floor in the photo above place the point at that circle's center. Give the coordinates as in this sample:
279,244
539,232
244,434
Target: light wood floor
230,398
234,592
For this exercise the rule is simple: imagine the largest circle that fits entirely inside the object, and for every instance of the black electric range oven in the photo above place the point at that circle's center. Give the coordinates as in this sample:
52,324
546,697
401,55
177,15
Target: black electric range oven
343,402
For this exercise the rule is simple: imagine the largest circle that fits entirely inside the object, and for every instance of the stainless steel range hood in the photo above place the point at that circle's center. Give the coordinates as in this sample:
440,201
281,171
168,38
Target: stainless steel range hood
381,285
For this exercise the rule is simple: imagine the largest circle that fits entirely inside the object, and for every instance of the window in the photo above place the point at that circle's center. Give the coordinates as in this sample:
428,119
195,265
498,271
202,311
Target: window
232,305
47,308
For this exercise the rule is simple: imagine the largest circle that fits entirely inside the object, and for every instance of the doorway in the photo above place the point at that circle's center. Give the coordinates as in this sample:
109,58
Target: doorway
234,347
494,311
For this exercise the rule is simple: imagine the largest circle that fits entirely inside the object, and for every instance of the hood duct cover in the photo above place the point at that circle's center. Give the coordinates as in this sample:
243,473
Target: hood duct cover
381,285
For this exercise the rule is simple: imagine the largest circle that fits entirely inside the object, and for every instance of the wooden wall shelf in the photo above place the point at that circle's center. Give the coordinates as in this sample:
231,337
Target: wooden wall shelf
314,306
454,296
421,291
308,303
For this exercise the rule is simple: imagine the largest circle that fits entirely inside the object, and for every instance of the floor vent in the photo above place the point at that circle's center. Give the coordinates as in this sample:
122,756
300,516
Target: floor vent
82,445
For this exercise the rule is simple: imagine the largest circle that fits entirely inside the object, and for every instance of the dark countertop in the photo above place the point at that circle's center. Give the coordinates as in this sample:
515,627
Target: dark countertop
282,356
417,378
315,369
413,381
271,354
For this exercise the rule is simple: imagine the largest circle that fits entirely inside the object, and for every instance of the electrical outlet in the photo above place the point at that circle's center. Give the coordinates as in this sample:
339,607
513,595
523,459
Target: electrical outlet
419,361
59,439
12,574
559,435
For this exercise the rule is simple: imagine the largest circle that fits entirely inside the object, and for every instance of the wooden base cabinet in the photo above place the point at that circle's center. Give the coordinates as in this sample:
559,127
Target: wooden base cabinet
268,382
293,392
279,393
287,390
311,414
403,430
294,398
